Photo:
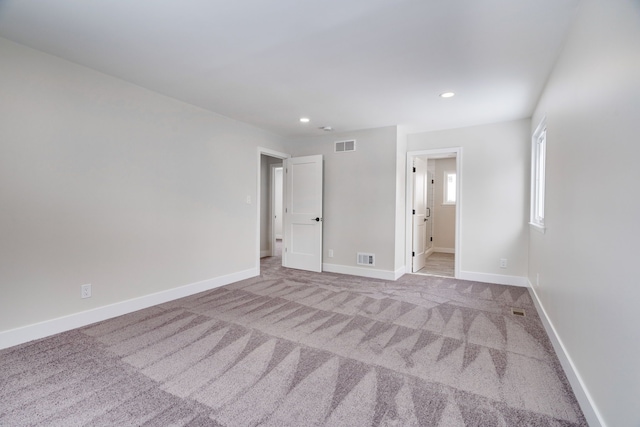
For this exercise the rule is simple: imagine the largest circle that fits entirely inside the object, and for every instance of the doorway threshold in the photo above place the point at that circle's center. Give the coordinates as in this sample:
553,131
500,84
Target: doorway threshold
439,264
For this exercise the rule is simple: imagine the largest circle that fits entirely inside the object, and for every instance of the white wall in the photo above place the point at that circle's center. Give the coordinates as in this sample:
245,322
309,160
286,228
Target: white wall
444,219
359,195
494,195
587,260
106,183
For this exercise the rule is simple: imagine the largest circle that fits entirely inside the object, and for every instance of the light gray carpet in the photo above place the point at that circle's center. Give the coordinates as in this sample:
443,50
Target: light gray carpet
293,348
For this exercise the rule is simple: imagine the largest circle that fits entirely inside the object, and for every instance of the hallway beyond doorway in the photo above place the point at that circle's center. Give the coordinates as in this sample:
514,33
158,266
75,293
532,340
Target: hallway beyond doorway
439,264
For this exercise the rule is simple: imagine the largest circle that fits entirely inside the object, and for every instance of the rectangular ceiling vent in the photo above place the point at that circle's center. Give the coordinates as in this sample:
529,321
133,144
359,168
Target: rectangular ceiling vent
366,259
344,146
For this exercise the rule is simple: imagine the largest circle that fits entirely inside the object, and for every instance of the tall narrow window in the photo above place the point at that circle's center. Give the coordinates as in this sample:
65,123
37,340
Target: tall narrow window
538,153
449,188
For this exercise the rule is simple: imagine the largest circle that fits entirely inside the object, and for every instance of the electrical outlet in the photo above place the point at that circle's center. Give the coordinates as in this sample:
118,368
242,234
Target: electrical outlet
503,263
330,253
85,291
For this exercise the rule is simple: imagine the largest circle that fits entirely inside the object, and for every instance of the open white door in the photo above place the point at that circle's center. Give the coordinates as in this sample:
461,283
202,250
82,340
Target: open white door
419,214
303,213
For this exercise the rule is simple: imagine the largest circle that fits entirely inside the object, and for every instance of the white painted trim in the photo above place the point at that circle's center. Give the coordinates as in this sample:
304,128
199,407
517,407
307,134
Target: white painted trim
363,272
500,279
399,273
265,253
62,324
273,153
435,153
457,266
445,250
542,127
589,409
537,227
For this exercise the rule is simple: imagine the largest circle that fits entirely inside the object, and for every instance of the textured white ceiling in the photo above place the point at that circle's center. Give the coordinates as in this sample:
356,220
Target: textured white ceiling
349,64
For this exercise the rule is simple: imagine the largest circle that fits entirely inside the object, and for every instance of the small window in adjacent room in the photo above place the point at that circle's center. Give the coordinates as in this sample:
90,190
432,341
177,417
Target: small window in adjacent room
449,193
538,153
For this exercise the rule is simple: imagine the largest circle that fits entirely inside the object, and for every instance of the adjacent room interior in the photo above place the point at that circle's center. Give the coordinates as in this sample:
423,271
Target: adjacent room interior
434,214
209,213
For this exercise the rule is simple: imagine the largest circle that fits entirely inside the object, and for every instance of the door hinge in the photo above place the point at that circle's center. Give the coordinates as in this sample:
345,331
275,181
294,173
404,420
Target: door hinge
414,211
432,181
431,239
414,170
413,254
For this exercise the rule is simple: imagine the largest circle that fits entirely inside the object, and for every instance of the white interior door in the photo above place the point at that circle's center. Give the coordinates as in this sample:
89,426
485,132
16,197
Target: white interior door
430,209
419,213
303,213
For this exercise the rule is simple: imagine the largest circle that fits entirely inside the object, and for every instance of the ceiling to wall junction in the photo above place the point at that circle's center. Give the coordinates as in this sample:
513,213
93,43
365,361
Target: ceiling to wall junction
346,64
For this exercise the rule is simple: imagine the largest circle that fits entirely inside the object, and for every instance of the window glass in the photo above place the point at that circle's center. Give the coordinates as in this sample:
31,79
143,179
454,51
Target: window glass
449,188
538,158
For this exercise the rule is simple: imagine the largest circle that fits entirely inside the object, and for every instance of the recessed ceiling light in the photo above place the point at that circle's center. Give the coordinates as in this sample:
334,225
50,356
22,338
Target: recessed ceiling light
304,119
447,95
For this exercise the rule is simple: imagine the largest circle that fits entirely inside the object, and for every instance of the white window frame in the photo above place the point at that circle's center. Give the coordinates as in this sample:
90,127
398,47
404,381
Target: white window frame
538,184
445,188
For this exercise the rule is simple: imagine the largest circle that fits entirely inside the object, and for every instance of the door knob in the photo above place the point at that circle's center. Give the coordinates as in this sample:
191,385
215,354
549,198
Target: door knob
317,219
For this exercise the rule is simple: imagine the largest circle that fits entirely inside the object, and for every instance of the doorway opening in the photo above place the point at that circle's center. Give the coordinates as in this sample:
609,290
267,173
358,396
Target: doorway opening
269,187
302,205
276,203
433,212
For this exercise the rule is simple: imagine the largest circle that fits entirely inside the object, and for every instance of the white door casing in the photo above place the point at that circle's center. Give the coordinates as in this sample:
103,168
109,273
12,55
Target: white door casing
303,213
435,153
419,214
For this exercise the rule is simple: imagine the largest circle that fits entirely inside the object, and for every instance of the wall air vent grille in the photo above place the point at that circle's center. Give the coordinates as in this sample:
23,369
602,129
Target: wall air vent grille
344,146
366,259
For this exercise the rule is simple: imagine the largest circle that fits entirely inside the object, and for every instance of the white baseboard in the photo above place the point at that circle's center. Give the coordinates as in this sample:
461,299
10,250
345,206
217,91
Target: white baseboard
265,253
61,324
445,250
364,272
589,409
399,273
500,279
